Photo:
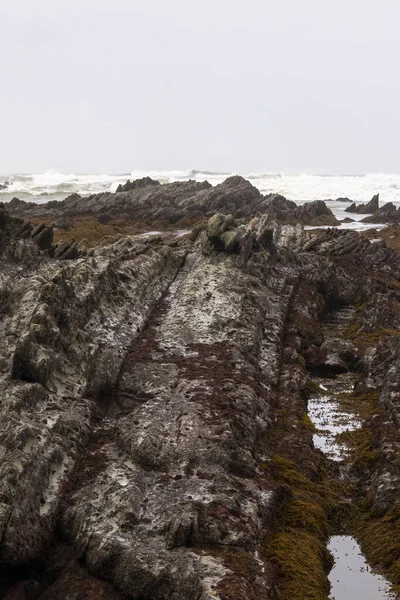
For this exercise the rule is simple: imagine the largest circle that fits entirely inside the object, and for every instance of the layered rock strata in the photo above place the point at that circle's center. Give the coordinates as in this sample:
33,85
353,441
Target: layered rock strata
141,391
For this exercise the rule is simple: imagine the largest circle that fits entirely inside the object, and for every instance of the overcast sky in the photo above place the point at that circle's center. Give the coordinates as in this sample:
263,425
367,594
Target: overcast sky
223,85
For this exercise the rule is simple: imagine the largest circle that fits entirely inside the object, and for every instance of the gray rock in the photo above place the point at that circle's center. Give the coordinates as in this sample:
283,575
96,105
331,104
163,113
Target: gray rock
139,391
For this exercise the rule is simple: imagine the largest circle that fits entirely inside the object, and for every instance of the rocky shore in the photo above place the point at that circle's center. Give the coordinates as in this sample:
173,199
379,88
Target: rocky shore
145,205
154,435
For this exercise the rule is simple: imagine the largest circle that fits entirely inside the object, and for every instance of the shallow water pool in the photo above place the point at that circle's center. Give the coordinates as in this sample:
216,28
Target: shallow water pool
351,578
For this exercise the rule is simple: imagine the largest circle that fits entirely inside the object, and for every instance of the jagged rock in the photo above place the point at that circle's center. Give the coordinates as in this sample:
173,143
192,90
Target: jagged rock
371,207
352,208
136,184
191,201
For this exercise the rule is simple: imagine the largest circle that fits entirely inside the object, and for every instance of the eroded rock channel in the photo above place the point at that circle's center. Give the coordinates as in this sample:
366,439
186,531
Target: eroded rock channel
155,442
335,420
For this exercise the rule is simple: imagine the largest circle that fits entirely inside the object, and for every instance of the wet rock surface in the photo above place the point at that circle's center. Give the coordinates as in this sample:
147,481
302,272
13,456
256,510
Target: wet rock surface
153,398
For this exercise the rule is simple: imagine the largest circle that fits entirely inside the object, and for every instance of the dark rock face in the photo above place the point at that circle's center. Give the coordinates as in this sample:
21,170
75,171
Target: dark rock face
388,213
352,208
371,207
148,201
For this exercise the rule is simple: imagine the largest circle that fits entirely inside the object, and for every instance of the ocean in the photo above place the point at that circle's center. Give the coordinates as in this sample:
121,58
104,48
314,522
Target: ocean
301,188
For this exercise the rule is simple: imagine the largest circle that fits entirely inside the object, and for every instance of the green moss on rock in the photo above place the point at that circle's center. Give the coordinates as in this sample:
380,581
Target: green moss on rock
302,561
298,549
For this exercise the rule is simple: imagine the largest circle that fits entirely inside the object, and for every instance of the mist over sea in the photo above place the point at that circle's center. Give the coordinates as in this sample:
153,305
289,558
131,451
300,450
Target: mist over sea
301,188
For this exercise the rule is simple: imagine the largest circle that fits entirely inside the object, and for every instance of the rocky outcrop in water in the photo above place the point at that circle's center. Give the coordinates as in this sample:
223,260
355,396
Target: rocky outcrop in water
388,213
362,209
146,391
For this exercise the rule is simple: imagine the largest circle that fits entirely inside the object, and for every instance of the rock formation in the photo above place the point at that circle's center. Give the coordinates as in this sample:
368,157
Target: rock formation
147,201
153,394
136,184
388,213
362,209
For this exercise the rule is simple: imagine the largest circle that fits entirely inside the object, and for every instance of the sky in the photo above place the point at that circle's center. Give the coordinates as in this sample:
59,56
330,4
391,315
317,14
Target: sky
112,86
